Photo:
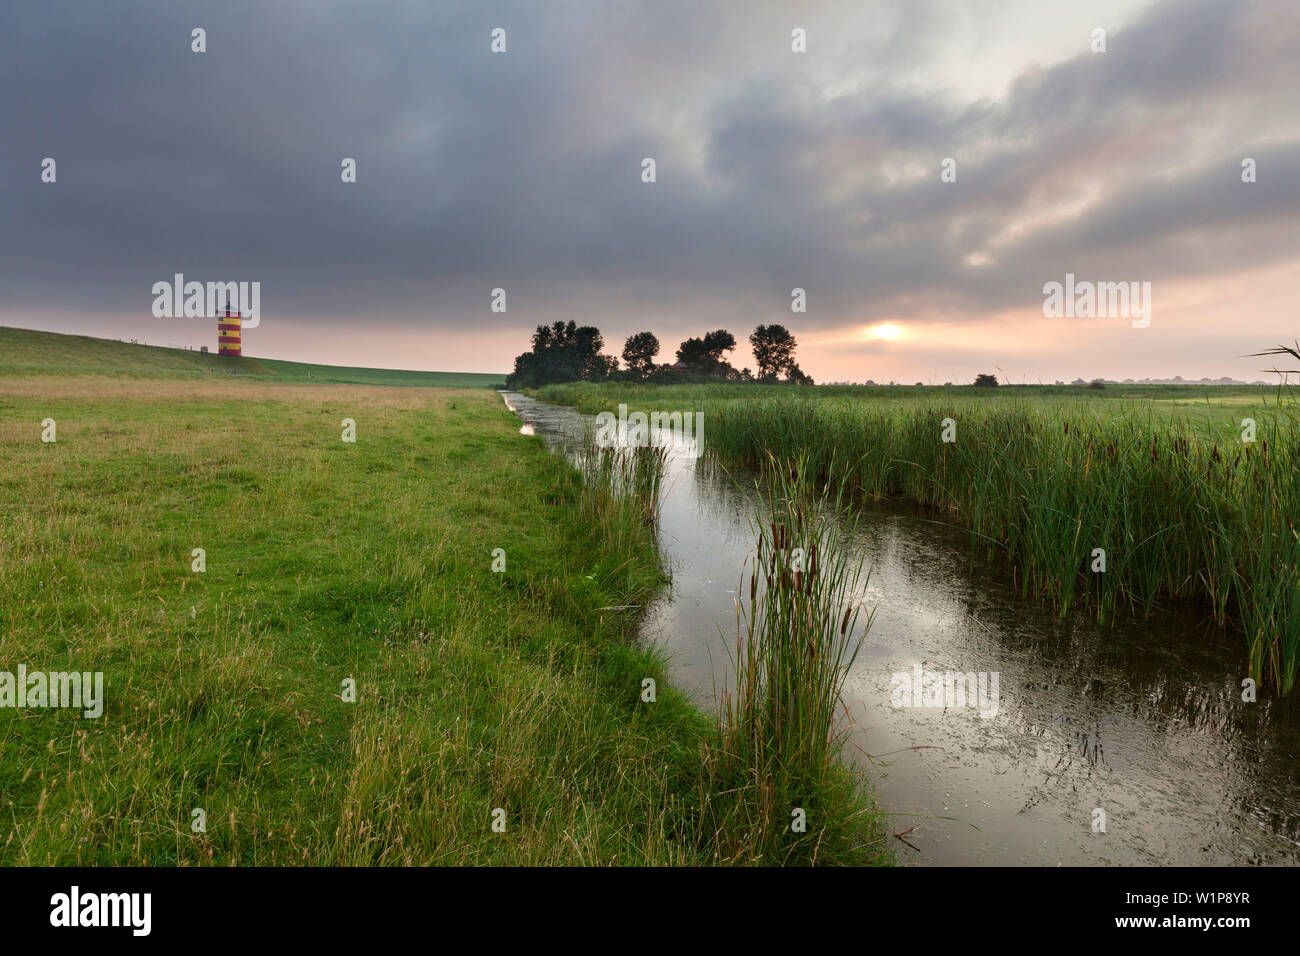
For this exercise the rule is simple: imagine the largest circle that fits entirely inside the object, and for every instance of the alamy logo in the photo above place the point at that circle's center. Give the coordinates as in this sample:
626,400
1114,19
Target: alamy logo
195,300
945,689
81,690
637,430
1088,300
103,909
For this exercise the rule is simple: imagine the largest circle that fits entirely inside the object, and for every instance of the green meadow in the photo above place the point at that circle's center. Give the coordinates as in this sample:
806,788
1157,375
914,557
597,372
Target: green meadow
1118,500
347,681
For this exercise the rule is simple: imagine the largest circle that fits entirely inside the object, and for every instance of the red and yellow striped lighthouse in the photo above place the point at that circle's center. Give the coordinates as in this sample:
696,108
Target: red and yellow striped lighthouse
229,327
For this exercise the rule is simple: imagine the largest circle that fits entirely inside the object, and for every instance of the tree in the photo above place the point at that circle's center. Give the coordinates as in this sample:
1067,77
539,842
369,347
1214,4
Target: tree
773,350
691,353
719,341
562,352
639,353
704,355
985,380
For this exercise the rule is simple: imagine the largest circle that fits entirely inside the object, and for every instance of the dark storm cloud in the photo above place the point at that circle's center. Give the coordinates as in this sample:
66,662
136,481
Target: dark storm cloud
522,170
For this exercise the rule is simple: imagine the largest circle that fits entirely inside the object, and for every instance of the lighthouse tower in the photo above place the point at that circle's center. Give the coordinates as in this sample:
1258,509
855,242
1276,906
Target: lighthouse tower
229,325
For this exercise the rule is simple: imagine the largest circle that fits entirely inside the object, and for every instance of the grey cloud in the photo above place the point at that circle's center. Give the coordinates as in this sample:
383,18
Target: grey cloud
523,170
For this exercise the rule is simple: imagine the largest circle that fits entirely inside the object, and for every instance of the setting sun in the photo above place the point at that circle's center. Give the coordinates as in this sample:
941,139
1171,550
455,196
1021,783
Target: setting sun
886,330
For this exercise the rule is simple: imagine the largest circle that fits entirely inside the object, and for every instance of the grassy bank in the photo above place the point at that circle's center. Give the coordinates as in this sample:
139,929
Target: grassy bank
328,561
1183,508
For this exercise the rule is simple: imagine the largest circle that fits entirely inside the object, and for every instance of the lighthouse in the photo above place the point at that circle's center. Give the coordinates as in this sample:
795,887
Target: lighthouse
228,331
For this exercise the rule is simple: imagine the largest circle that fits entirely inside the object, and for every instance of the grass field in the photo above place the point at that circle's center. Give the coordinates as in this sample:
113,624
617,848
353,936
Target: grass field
328,561
1161,479
25,352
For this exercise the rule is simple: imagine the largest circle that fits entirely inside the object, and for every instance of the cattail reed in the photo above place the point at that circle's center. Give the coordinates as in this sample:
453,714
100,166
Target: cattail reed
797,637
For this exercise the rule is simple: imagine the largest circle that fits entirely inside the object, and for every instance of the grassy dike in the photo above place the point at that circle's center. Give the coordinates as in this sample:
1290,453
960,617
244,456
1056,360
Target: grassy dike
30,352
326,561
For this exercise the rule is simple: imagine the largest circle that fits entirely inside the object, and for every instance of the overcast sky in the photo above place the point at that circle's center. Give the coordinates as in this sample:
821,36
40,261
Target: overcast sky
775,170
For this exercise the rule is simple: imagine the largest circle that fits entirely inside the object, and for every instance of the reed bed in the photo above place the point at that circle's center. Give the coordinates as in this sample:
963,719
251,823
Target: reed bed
1183,509
621,485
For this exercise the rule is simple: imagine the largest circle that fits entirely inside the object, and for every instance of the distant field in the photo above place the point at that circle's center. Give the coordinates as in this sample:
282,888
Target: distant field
26,352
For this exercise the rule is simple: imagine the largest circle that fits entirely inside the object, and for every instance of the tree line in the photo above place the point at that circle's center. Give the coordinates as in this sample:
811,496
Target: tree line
567,352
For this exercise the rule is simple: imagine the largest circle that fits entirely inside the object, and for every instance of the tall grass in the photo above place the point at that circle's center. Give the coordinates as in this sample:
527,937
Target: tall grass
796,639
621,485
